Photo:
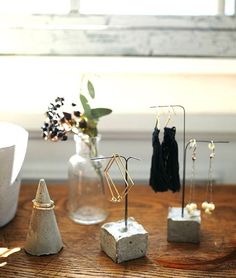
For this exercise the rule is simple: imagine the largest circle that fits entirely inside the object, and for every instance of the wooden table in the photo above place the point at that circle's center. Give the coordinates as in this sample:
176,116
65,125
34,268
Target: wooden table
215,256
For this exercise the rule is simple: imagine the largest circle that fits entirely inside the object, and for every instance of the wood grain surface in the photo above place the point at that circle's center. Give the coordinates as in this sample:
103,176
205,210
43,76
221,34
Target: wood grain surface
81,256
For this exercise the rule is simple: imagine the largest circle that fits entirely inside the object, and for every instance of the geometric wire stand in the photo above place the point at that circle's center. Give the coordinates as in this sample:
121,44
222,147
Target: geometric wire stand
117,196
127,179
120,240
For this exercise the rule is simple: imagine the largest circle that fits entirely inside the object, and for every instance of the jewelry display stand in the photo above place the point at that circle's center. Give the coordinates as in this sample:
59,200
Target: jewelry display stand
43,237
125,239
123,243
183,227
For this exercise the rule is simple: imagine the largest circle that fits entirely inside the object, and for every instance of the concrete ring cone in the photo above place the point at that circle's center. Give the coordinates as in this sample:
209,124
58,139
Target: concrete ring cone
43,237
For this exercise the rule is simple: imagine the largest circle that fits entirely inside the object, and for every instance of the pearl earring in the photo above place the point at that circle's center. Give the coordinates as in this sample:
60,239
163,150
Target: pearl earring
192,206
208,205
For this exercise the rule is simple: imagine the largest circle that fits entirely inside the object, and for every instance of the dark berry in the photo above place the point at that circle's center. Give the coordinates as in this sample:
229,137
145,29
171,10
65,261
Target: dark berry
82,124
77,113
67,116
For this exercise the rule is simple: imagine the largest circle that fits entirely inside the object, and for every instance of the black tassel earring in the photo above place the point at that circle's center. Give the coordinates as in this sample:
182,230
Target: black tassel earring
158,179
170,158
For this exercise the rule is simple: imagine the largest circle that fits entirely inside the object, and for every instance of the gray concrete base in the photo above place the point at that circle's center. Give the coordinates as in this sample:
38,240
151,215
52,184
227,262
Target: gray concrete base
124,245
183,229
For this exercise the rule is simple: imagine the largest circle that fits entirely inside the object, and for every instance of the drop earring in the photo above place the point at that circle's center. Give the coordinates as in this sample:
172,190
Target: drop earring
170,155
169,148
158,180
192,206
208,205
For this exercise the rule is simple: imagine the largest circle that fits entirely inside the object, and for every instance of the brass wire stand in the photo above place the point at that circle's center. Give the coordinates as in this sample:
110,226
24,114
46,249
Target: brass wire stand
126,178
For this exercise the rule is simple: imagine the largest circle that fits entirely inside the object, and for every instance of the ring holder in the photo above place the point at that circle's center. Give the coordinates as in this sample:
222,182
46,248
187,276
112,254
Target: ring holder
43,237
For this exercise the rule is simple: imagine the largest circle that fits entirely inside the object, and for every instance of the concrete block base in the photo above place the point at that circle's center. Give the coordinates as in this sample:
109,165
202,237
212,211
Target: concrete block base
183,229
124,245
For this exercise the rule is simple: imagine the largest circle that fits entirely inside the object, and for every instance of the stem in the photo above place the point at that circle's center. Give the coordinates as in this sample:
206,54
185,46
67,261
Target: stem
97,165
126,196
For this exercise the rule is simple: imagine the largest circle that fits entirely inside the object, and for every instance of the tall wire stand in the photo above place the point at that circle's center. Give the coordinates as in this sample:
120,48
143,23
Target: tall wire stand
126,183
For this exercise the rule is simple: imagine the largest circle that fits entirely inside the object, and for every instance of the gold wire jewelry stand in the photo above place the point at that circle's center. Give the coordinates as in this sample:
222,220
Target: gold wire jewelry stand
116,196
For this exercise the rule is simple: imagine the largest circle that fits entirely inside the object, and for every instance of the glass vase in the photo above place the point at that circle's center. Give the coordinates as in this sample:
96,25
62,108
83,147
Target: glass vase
86,202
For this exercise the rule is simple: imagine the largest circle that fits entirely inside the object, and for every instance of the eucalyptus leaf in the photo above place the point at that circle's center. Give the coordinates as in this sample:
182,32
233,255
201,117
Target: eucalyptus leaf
91,89
100,112
86,106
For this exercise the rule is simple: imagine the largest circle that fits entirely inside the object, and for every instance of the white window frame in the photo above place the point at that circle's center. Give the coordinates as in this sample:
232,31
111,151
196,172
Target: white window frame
114,35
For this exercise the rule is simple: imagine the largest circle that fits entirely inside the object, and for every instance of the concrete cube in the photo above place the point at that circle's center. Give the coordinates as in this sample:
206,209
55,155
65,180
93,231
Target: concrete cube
121,244
183,229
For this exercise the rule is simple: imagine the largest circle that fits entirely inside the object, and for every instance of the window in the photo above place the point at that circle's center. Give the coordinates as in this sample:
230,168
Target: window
118,28
121,7
158,7
34,6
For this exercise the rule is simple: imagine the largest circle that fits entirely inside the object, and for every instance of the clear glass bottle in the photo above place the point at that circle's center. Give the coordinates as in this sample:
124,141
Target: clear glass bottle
86,202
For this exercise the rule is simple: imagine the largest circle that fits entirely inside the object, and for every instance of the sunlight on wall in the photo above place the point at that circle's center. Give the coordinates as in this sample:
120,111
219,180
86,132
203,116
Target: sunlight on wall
127,85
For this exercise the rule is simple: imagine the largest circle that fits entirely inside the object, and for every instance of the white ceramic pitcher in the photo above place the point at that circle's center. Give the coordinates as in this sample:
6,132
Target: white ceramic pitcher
13,145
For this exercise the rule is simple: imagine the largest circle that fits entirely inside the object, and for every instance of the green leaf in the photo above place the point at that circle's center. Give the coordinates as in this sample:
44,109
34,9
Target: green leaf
86,106
100,112
91,89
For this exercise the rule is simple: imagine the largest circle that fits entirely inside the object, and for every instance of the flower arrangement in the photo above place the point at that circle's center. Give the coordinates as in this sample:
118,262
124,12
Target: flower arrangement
58,123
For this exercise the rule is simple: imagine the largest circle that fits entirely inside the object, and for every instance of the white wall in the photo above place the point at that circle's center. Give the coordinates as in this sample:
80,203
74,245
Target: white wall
205,87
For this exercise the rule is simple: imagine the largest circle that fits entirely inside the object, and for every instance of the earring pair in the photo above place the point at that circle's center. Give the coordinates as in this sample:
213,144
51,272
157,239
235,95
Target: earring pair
164,174
116,195
208,206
